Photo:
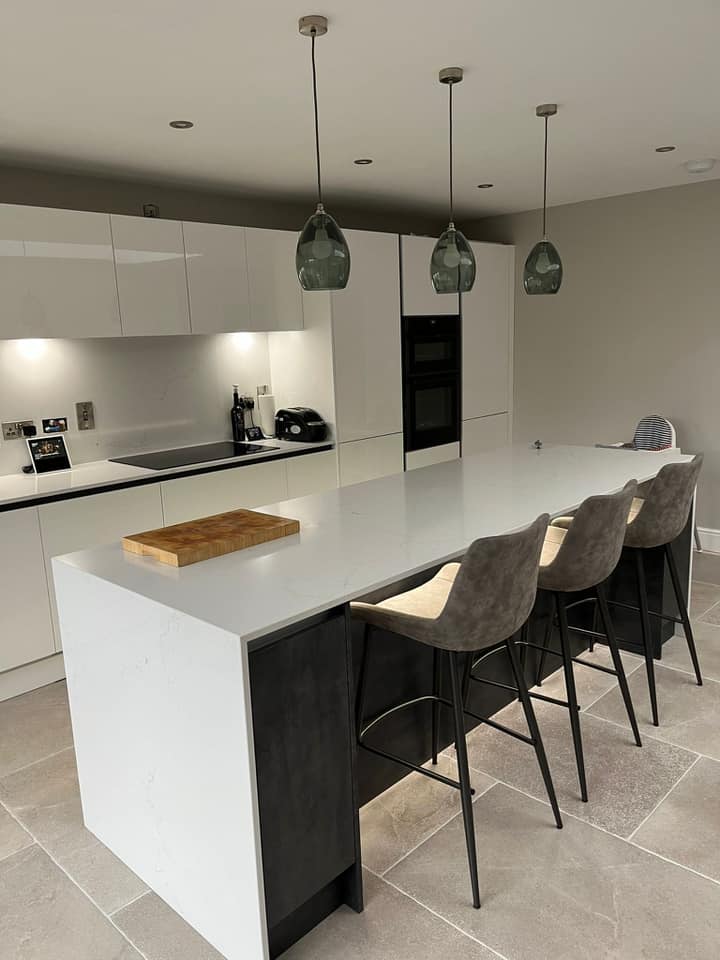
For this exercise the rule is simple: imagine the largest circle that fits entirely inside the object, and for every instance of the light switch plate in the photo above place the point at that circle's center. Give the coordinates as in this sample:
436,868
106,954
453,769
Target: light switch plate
85,413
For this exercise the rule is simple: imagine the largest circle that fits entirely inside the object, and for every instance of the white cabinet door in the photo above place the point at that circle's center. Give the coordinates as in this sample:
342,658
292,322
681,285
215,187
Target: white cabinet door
368,459
206,494
366,340
70,273
431,455
487,333
216,258
275,293
150,267
71,525
25,626
485,433
311,473
418,294
13,274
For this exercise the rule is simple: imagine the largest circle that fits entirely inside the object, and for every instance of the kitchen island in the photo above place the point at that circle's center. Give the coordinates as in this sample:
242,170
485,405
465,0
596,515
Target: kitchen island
212,705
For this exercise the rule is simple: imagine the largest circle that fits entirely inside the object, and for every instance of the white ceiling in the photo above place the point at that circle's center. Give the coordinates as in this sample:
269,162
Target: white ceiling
91,86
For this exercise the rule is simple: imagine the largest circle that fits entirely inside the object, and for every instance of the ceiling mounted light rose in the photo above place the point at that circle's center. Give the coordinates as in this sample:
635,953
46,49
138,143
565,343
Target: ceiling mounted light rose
543,268
322,258
452,265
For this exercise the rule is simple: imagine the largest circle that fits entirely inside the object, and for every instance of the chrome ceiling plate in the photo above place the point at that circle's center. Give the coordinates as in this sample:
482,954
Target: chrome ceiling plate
546,110
451,75
313,25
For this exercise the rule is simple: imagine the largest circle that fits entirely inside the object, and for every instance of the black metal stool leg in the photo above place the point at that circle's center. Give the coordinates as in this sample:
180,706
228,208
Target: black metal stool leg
436,706
534,730
646,633
682,607
602,604
464,774
572,695
361,692
546,640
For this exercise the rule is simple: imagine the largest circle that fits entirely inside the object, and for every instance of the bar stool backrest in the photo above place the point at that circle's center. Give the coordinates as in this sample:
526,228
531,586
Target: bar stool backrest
667,505
494,590
593,544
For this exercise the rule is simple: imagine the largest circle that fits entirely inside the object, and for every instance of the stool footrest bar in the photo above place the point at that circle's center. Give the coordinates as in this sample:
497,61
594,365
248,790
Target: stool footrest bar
413,766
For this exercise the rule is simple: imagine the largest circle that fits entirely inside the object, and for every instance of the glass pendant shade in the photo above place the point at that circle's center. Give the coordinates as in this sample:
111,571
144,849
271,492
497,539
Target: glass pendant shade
543,269
322,258
452,265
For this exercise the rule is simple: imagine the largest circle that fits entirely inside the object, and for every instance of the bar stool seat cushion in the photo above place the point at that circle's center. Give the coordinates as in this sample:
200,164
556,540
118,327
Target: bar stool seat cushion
635,508
425,602
551,547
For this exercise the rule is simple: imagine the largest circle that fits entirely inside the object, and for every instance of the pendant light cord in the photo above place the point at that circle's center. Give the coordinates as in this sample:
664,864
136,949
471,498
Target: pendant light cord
317,124
452,202
544,229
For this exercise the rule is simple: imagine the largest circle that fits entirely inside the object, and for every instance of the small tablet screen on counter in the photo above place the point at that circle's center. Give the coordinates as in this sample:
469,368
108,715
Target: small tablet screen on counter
49,454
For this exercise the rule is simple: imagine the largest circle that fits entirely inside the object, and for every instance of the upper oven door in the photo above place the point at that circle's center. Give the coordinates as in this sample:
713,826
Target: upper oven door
432,411
431,345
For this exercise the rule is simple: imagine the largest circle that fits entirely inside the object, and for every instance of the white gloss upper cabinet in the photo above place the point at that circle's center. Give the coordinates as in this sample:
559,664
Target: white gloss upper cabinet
418,294
13,281
217,275
70,275
487,333
274,291
366,340
150,267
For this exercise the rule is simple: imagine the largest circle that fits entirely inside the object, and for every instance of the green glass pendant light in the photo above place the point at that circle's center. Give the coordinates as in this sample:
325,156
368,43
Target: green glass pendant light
322,258
452,264
543,268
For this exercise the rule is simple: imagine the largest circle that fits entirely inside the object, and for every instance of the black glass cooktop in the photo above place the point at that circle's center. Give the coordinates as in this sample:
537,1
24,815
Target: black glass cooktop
185,456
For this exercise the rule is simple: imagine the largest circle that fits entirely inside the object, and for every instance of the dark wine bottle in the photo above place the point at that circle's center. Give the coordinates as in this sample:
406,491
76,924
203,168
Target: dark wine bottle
237,417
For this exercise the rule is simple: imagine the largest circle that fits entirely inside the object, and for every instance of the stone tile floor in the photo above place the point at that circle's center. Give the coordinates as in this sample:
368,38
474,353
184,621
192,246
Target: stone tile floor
634,874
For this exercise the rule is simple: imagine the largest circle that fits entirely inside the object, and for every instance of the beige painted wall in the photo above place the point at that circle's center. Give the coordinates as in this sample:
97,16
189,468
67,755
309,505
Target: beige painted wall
635,328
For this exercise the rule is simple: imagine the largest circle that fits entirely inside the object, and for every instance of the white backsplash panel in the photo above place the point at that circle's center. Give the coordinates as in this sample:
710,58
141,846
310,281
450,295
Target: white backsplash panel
149,392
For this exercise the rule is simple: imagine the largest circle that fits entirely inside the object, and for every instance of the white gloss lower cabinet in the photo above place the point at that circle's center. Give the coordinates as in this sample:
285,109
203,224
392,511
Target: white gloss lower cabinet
274,291
150,268
431,455
311,473
362,460
71,525
206,494
485,433
25,625
216,260
70,274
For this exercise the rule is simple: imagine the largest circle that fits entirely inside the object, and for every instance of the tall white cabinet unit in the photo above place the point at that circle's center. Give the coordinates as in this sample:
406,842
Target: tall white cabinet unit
367,361
418,294
487,350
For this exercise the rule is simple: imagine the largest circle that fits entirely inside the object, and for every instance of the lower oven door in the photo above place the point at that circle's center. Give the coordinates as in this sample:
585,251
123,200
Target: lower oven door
432,411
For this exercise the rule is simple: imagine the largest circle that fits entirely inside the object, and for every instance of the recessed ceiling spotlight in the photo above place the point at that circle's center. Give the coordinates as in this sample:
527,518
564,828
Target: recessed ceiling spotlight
485,186
362,161
668,149
700,166
181,124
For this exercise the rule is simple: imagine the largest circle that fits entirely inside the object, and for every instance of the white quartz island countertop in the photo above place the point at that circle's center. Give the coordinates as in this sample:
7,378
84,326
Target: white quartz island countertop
160,667
359,538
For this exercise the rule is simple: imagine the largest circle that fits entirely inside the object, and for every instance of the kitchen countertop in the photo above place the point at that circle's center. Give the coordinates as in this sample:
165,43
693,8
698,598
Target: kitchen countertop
20,489
360,538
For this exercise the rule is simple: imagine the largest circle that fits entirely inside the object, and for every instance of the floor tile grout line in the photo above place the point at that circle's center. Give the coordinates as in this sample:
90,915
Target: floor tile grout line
675,863
661,801
105,916
34,763
439,916
690,672
649,736
20,850
117,910
437,829
610,690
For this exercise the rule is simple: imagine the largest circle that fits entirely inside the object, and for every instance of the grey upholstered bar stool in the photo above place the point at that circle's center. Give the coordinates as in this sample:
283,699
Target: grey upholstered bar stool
655,521
579,558
478,604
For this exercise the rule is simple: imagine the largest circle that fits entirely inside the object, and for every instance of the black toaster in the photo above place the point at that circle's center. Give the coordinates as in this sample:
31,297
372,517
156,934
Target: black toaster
300,423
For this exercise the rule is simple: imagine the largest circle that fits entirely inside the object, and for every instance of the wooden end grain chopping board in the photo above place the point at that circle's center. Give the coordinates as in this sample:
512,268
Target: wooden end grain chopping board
186,543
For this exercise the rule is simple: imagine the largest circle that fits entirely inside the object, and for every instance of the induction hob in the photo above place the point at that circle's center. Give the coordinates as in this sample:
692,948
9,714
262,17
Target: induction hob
186,456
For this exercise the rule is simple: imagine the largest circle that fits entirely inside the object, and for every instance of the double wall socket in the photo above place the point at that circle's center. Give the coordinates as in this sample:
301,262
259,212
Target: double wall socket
14,429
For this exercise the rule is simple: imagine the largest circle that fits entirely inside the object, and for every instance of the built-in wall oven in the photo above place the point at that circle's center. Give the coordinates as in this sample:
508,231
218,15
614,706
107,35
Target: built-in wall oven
431,381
